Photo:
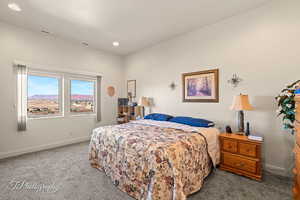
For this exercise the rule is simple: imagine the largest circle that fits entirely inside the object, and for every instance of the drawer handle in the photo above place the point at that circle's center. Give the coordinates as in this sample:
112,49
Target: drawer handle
240,164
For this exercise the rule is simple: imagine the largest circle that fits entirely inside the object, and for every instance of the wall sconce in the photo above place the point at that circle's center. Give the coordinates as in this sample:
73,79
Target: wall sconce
172,86
235,81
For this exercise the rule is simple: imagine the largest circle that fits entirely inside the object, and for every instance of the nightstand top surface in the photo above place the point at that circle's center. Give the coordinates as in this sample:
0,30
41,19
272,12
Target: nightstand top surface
235,136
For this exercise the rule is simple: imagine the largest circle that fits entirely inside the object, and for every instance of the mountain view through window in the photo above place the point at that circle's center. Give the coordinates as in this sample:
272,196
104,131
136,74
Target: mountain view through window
82,96
43,95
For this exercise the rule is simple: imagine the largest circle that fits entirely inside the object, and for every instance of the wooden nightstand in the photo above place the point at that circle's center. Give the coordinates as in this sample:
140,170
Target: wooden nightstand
241,155
127,113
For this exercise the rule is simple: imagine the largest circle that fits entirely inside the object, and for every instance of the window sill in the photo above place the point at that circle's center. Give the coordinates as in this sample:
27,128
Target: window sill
83,115
46,117
88,115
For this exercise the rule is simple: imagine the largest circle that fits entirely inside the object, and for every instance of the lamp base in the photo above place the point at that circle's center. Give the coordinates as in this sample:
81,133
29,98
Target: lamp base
143,111
241,126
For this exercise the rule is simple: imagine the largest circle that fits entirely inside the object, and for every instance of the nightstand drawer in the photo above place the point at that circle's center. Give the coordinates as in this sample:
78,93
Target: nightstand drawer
239,163
248,149
230,146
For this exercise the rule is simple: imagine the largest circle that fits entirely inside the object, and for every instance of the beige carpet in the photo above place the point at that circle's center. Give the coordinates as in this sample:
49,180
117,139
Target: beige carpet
65,173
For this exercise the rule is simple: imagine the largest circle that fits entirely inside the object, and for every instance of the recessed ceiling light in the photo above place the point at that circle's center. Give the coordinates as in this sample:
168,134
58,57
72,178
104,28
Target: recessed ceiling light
85,43
14,7
116,44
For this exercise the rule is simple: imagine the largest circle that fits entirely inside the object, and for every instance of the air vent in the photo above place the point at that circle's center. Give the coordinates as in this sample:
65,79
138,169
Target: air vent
46,32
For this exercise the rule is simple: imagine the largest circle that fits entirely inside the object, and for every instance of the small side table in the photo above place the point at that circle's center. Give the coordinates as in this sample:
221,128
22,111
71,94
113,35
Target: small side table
241,155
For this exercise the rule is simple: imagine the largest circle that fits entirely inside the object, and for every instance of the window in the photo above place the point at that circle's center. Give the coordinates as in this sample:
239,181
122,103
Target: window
44,95
55,94
82,96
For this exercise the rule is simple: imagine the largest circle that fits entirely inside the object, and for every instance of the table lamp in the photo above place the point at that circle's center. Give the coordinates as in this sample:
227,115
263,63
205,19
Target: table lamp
241,103
144,101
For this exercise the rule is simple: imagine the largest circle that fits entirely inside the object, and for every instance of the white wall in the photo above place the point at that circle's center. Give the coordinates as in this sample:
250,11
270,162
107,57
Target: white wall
50,52
262,46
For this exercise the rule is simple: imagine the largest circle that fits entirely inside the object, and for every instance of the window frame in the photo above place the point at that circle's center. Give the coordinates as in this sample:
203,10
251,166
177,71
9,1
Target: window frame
61,90
81,78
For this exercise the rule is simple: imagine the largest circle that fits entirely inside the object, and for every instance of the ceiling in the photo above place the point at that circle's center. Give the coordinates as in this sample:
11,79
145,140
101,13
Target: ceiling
136,24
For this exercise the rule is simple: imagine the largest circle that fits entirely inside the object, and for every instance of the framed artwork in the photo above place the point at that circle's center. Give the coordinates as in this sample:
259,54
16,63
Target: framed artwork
202,86
131,88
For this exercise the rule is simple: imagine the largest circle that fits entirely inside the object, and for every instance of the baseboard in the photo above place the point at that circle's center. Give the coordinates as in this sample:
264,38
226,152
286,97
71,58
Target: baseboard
43,147
277,170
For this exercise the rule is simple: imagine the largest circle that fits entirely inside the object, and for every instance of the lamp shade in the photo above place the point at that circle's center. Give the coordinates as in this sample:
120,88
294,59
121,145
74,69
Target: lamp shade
144,102
241,102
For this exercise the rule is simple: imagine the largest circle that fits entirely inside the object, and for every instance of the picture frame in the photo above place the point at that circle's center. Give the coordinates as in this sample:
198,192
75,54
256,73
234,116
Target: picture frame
131,88
201,86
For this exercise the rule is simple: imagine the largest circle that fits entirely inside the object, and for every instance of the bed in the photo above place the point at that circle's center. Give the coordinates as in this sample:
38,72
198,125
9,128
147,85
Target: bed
152,160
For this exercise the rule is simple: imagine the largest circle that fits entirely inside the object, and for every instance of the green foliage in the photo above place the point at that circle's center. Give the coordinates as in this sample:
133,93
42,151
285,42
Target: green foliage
286,106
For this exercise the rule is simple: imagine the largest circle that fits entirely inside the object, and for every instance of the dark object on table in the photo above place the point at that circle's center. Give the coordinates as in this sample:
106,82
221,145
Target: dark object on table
228,129
247,129
123,101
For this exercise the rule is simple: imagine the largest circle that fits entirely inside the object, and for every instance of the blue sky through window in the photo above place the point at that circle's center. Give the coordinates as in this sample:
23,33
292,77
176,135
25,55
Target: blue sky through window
82,87
42,85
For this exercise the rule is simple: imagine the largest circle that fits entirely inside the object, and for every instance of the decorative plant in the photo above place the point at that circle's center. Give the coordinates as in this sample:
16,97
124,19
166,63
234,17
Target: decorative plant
286,106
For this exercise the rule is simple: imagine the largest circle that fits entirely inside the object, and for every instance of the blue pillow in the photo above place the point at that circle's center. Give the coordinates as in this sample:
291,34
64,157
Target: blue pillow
158,117
192,121
297,91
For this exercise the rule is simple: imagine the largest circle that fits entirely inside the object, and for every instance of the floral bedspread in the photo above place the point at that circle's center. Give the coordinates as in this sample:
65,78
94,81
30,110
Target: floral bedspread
153,160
